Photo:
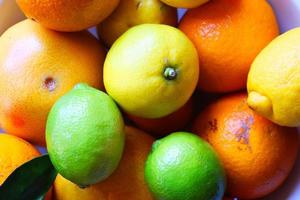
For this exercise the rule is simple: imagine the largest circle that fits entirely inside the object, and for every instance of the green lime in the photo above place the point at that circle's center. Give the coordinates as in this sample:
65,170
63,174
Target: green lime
182,166
85,135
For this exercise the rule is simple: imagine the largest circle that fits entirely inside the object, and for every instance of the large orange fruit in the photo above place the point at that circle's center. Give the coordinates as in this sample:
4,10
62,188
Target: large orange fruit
68,15
37,66
228,35
126,183
257,154
165,125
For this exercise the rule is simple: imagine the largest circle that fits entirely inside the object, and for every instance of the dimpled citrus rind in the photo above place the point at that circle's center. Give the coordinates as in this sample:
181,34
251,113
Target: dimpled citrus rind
85,135
182,166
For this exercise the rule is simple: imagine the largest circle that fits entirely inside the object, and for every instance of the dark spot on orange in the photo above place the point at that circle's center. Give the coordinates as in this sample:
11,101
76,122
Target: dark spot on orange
238,126
49,84
213,125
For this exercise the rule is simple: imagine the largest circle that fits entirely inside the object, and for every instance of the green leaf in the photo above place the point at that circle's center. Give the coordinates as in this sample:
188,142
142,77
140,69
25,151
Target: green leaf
41,198
31,181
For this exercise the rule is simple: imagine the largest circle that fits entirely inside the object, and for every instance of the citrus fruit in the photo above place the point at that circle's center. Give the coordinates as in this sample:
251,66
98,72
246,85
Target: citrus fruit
38,66
131,13
182,166
274,80
14,152
85,135
162,126
126,183
151,70
257,154
185,3
69,16
9,14
228,35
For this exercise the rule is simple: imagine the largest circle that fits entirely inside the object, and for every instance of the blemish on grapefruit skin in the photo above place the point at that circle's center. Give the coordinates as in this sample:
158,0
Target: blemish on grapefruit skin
50,84
17,121
238,126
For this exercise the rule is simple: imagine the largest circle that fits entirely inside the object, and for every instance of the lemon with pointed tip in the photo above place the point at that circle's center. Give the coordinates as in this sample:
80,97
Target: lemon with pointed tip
151,70
274,80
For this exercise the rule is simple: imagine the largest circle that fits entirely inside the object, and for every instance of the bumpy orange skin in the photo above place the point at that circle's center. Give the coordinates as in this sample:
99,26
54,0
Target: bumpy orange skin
68,15
14,152
257,154
126,183
228,35
37,66
162,126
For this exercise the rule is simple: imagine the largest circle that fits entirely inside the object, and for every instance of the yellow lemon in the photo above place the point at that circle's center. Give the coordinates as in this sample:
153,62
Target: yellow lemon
185,3
134,12
274,80
151,70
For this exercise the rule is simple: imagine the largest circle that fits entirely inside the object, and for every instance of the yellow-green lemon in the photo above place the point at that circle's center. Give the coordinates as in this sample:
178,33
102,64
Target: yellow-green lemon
151,70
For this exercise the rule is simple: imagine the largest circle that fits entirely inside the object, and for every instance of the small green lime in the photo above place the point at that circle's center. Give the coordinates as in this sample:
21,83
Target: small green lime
85,135
182,166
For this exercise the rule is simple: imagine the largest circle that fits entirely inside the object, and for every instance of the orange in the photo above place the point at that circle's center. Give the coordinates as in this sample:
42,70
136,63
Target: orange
37,66
228,35
126,183
67,15
162,126
257,154
14,152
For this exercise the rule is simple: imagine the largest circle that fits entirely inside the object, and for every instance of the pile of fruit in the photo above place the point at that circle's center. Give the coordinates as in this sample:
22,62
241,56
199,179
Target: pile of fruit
155,107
